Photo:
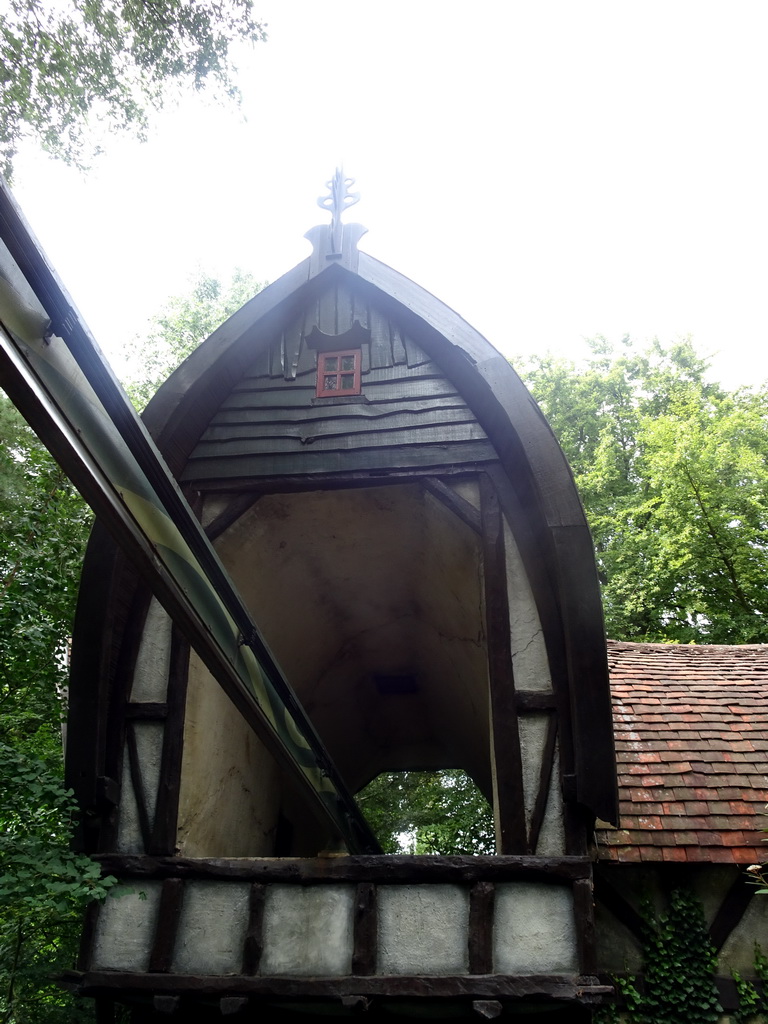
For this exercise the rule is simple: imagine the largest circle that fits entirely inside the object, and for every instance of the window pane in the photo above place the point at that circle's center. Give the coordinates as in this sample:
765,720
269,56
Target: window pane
347,381
331,363
329,382
347,362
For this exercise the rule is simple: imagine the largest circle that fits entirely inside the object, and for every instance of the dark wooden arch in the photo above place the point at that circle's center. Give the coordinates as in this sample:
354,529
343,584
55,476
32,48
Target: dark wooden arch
532,480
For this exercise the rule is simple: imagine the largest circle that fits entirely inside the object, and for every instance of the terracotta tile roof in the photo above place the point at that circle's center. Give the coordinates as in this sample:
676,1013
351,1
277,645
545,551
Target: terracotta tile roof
691,728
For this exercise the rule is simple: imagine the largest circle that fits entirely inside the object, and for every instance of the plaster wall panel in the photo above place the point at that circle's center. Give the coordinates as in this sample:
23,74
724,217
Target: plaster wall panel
423,929
533,735
469,490
534,930
616,946
529,652
229,793
150,677
126,928
212,927
149,744
352,586
129,838
738,952
308,931
552,835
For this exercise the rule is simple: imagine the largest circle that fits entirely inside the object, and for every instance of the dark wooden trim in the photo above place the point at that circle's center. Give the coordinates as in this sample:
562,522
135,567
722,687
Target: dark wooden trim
234,510
128,632
461,508
147,710
554,986
166,1004
590,698
163,842
88,935
341,480
535,551
506,752
584,912
229,1005
254,935
105,1011
480,935
366,930
137,783
535,700
545,782
615,901
382,869
168,915
731,910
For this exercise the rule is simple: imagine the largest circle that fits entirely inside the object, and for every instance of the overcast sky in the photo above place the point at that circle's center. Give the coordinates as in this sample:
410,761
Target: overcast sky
551,170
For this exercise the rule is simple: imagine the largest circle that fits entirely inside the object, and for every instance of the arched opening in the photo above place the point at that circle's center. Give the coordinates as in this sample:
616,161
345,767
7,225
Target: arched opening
440,812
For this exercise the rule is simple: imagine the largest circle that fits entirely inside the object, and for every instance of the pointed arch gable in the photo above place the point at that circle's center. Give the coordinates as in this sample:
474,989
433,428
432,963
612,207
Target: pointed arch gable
508,441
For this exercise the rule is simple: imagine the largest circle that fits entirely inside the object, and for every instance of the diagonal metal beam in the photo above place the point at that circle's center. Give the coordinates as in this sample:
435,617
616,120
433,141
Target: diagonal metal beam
54,372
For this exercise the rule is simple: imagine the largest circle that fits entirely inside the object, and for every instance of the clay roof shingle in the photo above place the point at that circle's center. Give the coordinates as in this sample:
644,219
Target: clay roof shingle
691,731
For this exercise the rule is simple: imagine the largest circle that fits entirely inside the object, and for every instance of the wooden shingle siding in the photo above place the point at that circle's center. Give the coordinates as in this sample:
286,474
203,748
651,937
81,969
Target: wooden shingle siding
409,416
268,464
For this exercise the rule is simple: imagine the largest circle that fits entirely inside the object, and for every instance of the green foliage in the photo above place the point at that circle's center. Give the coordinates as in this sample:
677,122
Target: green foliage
679,964
753,1002
44,525
428,812
177,330
673,474
678,970
44,887
66,66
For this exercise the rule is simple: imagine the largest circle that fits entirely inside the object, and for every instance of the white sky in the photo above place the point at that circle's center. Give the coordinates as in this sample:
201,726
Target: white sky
551,170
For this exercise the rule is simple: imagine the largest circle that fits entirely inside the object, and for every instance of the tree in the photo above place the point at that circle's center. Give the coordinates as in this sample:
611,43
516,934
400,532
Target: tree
65,66
177,330
428,812
44,525
673,473
44,887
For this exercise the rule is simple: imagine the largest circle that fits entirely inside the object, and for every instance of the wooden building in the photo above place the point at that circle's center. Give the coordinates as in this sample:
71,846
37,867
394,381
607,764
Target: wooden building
691,733
404,528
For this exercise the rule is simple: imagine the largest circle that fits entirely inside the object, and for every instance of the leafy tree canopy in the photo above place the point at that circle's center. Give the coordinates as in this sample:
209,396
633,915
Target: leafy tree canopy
673,473
177,330
66,65
428,812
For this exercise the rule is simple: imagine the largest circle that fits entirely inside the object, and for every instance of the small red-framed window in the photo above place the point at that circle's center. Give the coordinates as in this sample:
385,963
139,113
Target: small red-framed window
338,373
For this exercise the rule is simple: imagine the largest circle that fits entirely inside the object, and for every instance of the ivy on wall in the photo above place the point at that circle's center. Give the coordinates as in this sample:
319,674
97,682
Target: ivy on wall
753,1004
678,969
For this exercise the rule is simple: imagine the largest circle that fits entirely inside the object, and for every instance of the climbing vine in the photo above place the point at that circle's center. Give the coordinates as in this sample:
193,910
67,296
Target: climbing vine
753,1004
678,969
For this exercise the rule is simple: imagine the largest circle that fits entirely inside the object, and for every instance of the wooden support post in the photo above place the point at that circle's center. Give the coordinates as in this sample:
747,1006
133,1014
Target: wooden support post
545,782
480,938
137,782
365,948
163,841
584,913
505,736
169,912
254,936
87,936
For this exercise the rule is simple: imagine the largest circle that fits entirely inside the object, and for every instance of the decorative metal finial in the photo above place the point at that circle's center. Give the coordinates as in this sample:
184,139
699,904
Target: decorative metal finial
338,200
